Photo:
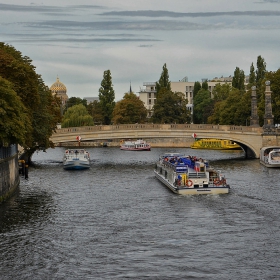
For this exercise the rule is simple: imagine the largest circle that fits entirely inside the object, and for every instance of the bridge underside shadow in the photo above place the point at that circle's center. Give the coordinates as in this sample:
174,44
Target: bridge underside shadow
249,153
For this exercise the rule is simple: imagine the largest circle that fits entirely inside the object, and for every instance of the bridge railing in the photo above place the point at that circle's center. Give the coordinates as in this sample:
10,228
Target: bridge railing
192,127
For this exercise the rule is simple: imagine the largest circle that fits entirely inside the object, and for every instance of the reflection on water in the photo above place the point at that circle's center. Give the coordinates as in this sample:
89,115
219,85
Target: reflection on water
116,221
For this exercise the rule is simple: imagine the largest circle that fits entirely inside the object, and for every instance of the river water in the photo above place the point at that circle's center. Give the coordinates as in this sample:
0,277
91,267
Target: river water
116,221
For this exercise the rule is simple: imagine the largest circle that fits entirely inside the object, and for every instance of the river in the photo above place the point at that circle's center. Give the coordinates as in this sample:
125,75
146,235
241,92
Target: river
116,221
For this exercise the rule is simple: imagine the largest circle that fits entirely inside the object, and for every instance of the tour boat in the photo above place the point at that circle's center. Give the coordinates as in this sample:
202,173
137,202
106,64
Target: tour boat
215,144
76,159
270,156
138,145
189,175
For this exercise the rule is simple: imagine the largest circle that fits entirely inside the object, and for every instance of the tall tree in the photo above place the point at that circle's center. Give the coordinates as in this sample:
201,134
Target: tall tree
34,94
204,85
238,79
202,106
107,97
15,124
252,76
163,80
196,88
129,110
260,71
170,108
95,110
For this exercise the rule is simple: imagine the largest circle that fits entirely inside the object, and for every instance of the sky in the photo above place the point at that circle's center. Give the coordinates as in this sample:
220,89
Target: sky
201,39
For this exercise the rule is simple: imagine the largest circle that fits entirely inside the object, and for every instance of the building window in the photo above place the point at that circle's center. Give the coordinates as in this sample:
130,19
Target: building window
150,101
149,95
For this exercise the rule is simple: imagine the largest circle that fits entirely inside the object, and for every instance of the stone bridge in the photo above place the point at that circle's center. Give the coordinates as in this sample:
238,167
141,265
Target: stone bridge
251,139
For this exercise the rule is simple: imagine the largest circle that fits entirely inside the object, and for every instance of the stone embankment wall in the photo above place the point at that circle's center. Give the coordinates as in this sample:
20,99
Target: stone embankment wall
9,172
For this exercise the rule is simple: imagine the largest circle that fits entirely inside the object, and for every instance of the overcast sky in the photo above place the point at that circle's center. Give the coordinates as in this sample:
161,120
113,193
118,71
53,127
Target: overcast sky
78,40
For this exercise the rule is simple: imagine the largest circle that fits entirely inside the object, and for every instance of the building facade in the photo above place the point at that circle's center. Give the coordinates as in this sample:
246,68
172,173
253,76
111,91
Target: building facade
148,96
148,93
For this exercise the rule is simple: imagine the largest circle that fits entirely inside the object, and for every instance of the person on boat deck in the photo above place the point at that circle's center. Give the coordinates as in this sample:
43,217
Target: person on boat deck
179,177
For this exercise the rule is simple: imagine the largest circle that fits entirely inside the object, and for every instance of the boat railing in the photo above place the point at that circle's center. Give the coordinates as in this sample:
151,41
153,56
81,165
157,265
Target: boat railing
196,175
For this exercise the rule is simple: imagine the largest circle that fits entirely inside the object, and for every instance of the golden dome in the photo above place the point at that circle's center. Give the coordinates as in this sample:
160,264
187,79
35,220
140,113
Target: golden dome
58,87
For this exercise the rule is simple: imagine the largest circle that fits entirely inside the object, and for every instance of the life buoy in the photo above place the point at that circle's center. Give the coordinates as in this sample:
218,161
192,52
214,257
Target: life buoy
189,183
217,182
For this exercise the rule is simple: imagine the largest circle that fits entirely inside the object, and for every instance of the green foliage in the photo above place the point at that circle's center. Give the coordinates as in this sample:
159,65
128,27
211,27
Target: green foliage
235,109
163,80
170,108
238,79
196,88
252,76
47,113
221,92
77,115
34,94
260,71
203,105
129,110
204,85
274,78
107,97
74,101
95,110
14,121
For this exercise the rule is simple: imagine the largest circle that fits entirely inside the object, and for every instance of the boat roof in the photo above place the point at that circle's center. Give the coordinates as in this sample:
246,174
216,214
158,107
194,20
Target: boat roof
173,155
270,147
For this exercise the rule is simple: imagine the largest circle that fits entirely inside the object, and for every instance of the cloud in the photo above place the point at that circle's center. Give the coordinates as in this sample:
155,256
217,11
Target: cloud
154,14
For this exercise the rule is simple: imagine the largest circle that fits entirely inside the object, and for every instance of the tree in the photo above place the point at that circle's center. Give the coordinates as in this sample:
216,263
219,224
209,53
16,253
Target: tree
129,110
107,97
77,115
15,124
34,94
202,106
252,76
196,88
221,92
204,85
74,101
170,108
234,110
163,80
260,71
95,110
238,79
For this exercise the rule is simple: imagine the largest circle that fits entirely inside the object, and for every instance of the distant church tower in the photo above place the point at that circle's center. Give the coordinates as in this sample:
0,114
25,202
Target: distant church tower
254,121
268,117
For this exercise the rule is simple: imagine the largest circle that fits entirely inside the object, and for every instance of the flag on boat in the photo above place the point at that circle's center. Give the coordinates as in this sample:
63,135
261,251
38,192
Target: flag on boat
78,138
194,135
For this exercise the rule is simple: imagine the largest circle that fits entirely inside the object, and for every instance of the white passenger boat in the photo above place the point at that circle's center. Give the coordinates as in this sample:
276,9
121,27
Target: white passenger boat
189,175
270,156
138,145
76,159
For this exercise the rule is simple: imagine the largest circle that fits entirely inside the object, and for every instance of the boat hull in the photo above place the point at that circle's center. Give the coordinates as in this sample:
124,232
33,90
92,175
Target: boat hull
75,165
135,149
190,191
275,165
270,156
215,144
76,159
